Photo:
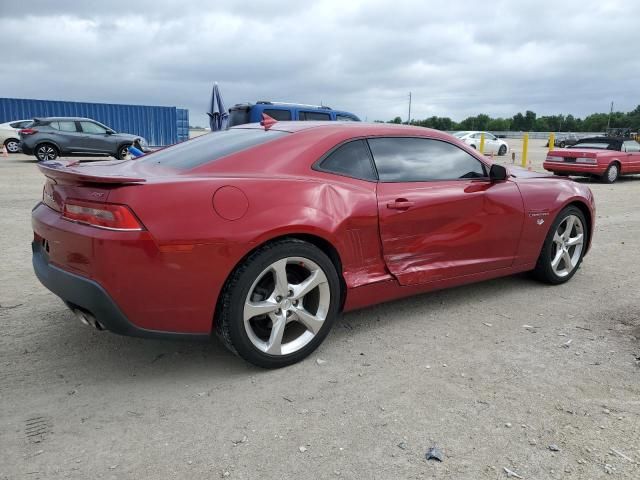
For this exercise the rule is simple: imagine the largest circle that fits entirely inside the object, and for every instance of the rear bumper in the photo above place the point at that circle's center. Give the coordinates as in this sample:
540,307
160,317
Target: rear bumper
26,149
88,296
574,168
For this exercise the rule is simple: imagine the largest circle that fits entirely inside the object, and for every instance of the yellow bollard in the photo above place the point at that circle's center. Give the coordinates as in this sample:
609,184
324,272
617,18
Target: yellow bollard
482,143
552,141
525,148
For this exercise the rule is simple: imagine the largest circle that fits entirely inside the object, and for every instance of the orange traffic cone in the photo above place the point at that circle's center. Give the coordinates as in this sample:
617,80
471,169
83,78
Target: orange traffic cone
5,154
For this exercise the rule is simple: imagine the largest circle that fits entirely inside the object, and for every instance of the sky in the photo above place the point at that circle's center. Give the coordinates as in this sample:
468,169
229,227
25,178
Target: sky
457,58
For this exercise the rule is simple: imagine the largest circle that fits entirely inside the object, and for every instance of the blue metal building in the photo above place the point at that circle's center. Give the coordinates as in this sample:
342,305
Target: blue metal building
159,125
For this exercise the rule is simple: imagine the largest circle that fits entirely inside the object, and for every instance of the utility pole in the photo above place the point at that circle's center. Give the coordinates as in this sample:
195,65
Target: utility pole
409,117
610,113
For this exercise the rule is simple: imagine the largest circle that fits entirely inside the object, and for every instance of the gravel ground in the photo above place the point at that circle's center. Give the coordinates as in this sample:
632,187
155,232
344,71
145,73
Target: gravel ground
493,373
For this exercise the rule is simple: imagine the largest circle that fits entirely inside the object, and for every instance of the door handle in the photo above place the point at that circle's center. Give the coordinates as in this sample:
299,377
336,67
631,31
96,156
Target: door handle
400,204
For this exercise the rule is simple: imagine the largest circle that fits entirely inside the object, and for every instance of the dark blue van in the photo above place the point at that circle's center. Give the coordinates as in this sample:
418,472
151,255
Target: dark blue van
252,113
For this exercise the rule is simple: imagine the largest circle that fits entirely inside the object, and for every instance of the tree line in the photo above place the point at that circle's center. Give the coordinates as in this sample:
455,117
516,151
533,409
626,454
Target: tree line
530,122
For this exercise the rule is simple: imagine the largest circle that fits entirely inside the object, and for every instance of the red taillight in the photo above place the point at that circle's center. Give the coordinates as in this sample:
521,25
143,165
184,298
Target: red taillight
28,131
101,215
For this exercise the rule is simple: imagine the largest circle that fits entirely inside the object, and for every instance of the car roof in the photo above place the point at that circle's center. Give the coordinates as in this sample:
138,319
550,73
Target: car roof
53,119
357,128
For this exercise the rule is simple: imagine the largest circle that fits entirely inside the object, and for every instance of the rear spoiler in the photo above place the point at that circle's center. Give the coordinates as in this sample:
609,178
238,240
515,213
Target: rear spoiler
60,170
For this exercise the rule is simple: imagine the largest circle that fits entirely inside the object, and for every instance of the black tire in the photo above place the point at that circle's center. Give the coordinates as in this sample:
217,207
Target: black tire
46,151
122,151
560,174
543,271
473,146
612,173
12,145
502,150
230,325
562,144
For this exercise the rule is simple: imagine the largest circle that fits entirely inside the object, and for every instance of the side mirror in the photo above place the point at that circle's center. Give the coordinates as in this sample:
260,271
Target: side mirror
110,132
497,173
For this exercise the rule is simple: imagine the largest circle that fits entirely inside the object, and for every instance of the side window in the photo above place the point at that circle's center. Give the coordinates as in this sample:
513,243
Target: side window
67,126
315,116
422,159
93,128
280,115
488,136
344,118
352,160
630,146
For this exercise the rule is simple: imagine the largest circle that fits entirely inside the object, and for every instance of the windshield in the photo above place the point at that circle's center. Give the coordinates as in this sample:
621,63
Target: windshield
210,147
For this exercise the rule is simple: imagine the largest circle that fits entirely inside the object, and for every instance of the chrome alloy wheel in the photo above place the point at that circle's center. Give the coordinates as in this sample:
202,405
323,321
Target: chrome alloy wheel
46,152
568,242
286,306
612,173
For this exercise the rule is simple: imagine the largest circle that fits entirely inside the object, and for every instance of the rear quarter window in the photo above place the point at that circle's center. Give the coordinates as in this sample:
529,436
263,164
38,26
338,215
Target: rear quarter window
351,159
210,147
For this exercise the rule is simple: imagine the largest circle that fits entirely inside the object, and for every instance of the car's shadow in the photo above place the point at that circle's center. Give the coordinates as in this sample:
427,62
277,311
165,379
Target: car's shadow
118,358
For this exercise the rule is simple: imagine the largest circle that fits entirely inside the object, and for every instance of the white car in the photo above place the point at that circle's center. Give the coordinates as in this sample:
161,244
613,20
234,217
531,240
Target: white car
492,144
9,136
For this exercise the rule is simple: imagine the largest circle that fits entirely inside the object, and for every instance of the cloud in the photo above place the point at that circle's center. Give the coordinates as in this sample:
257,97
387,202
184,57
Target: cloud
457,58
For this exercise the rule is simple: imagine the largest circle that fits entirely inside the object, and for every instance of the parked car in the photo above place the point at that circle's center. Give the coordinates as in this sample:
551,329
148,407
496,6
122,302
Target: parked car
263,235
10,136
603,157
48,138
563,140
244,113
492,144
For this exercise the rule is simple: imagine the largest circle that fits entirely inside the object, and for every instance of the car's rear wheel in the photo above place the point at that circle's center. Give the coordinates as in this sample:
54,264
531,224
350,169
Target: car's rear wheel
12,145
123,151
564,247
46,151
612,173
502,150
563,144
279,305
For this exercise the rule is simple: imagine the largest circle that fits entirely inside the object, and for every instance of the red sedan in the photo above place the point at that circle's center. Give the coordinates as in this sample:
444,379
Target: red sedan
603,157
263,235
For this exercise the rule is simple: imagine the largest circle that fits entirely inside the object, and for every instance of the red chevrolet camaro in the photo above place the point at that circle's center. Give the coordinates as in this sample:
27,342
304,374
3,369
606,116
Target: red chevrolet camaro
603,157
263,235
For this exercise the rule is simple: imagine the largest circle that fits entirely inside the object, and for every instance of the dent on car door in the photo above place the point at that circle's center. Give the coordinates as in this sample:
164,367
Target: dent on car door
440,216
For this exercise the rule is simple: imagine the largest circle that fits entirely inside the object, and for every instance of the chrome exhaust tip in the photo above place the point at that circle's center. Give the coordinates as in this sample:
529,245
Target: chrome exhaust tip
87,319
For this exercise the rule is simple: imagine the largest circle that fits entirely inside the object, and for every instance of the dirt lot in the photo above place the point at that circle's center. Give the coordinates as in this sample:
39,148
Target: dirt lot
457,369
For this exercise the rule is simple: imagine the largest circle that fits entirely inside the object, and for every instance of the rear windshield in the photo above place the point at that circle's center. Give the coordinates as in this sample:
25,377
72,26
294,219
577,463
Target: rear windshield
210,147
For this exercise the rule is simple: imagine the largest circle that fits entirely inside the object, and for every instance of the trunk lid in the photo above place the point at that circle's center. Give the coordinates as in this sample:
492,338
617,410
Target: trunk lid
91,181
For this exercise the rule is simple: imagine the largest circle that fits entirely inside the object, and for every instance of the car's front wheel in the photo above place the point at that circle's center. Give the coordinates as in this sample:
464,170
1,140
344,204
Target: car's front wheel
12,145
123,151
502,150
564,247
279,305
46,151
